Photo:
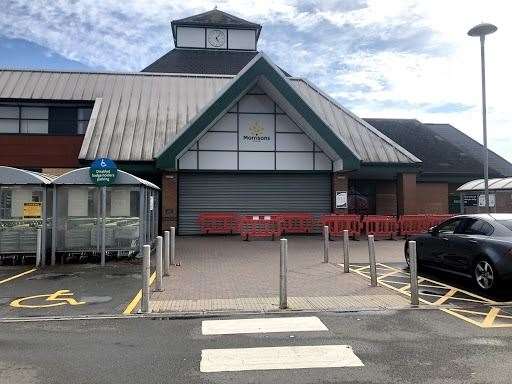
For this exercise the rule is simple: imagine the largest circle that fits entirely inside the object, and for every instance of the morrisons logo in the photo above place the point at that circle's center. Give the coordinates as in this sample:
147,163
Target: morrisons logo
256,133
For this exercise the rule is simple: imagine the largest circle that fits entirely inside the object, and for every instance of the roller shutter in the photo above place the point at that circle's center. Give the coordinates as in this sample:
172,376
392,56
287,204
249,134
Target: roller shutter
250,194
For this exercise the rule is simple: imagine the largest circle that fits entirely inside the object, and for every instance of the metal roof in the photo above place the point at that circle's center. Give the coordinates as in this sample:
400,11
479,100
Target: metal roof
16,176
494,185
81,177
136,114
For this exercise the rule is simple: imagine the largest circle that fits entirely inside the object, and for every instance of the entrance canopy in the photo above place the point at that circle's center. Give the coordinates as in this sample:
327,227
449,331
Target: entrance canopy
499,184
15,176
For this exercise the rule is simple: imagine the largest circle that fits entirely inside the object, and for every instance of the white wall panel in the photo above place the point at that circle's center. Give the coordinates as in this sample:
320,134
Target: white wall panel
293,161
226,123
256,103
218,141
256,160
256,132
190,37
217,160
322,162
241,39
285,124
188,160
293,142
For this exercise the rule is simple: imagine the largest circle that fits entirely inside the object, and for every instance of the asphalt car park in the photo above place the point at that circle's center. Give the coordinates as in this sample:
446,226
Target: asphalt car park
68,290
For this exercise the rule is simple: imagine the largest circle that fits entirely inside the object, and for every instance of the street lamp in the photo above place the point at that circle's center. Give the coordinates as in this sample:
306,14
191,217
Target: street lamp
481,30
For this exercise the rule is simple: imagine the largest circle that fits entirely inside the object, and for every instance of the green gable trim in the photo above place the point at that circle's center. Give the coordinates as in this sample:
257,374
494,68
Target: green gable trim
261,67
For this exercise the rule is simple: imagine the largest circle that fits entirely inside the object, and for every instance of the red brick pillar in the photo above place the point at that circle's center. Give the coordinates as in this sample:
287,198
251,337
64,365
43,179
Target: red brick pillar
406,194
169,200
339,184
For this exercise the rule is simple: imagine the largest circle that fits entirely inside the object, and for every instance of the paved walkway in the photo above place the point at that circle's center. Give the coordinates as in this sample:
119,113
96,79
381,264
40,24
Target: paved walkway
225,273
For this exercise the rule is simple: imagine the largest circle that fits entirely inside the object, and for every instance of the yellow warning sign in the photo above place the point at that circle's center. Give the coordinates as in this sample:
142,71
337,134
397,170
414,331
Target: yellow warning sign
32,210
62,297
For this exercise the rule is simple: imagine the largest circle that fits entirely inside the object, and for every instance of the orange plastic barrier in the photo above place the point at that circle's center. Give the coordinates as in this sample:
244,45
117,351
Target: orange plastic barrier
219,222
338,223
412,224
260,226
380,226
295,222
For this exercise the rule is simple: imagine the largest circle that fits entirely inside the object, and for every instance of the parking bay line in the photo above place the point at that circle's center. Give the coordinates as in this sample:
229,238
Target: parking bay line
135,301
18,275
266,325
270,358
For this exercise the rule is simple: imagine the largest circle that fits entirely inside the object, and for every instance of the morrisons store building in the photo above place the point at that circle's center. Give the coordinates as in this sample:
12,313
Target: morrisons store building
220,127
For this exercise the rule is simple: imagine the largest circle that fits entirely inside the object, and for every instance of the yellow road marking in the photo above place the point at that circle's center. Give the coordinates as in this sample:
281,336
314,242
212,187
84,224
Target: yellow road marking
135,301
458,315
491,316
57,296
18,275
387,274
448,295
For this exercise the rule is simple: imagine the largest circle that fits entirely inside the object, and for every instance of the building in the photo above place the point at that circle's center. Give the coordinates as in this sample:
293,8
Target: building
219,127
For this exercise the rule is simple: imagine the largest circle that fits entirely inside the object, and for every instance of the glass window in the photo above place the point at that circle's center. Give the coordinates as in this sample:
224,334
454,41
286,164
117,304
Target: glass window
34,113
9,126
476,227
9,112
506,223
34,126
84,113
448,227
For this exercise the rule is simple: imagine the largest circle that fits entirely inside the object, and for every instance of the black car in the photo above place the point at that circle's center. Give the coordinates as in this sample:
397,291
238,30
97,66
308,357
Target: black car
477,246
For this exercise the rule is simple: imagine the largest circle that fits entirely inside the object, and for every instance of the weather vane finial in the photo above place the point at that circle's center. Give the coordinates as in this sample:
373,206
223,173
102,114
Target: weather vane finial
215,6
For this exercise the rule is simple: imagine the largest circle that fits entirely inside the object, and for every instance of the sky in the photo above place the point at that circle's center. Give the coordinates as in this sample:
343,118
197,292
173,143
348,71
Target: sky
379,58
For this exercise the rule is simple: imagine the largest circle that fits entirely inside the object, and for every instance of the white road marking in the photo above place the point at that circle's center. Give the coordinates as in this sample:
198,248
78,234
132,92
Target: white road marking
248,359
273,324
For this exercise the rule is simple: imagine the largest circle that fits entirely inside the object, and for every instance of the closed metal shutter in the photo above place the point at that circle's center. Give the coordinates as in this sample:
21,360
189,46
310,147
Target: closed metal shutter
250,194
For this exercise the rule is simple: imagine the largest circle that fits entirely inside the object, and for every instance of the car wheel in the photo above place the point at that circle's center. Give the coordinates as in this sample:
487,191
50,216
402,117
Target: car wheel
485,275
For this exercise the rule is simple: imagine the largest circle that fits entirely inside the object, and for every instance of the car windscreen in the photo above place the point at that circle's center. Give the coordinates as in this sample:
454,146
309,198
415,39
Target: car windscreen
506,223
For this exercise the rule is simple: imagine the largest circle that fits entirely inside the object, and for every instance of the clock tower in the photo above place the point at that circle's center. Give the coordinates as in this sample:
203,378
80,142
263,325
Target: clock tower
215,30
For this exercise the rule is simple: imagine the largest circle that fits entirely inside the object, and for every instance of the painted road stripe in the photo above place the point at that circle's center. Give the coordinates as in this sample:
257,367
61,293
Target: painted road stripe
250,359
135,301
268,325
18,275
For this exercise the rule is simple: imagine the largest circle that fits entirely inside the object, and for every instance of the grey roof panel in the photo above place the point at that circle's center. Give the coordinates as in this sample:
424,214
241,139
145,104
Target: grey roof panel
136,115
470,146
494,185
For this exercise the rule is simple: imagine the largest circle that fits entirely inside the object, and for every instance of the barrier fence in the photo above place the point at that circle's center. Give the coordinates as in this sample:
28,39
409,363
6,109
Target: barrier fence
278,224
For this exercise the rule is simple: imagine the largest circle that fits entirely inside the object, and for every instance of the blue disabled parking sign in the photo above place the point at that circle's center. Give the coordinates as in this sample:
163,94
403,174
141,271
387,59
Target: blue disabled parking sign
103,172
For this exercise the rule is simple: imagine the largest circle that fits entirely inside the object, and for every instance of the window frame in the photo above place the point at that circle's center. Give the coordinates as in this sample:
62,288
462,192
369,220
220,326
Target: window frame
48,106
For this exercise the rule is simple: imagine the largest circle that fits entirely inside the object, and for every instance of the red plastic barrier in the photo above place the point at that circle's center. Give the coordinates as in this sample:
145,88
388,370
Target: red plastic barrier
380,226
219,222
412,224
338,223
260,226
295,222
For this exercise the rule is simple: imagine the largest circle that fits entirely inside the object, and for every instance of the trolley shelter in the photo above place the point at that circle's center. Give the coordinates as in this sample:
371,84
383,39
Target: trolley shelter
98,220
24,208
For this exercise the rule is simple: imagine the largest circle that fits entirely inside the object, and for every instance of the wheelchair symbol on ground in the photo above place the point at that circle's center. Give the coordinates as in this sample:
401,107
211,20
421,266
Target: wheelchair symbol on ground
62,297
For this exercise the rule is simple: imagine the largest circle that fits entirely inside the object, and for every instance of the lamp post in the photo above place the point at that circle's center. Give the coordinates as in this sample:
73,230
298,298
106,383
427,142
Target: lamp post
482,30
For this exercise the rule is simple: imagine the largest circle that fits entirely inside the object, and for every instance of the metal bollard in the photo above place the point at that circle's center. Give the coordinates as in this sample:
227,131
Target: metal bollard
413,266
346,256
159,266
173,246
326,244
283,271
38,249
146,270
373,265
167,250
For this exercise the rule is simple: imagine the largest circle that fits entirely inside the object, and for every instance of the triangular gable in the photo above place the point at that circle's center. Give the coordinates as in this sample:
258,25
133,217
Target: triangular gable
260,68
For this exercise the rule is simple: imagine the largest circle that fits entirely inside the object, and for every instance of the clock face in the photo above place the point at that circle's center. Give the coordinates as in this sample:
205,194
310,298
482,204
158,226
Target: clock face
216,38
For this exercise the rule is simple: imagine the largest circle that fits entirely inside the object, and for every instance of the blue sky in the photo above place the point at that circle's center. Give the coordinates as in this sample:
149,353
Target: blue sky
392,58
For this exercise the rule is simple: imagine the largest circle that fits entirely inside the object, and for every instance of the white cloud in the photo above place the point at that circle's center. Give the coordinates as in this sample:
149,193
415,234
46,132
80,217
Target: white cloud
393,58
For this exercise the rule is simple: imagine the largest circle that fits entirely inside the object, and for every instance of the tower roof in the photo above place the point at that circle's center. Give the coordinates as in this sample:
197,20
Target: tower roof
215,18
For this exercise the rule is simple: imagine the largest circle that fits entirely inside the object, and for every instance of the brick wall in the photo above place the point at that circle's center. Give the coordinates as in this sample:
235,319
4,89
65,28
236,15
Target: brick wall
169,201
432,197
339,183
406,193
385,198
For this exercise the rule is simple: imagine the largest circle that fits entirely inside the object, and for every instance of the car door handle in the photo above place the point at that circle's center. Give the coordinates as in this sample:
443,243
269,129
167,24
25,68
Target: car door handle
444,238
473,241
